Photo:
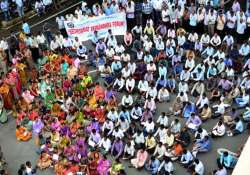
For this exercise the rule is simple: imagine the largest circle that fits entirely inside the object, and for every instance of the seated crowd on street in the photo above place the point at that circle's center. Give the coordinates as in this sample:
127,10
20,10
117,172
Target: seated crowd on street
142,98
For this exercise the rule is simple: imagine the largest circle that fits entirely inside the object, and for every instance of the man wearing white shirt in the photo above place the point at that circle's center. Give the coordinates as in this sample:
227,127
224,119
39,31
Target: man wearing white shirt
160,150
157,5
152,92
126,72
105,144
211,21
119,83
130,84
136,112
149,125
159,44
129,150
127,101
118,133
215,40
185,75
219,54
143,86
231,21
199,168
244,49
229,40
205,39
130,13
112,115
108,125
240,29
202,101
161,134
67,43
54,45
139,138
166,167
119,48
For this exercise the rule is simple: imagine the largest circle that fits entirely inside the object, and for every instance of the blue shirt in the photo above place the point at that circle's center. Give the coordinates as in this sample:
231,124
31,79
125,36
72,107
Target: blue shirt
108,11
154,166
205,144
26,28
5,5
193,20
239,126
161,82
116,66
227,161
171,83
228,62
19,3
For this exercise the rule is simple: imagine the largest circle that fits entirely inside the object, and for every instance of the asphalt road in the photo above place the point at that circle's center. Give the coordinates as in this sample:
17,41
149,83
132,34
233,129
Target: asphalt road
17,153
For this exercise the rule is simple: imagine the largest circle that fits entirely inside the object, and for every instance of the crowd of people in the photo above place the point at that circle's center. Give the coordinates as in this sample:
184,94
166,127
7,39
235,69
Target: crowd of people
192,59
11,9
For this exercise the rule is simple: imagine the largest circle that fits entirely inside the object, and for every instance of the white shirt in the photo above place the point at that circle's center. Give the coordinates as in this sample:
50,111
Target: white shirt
159,151
130,83
241,26
139,139
112,115
149,127
127,100
4,45
231,20
162,134
199,168
119,82
105,143
118,134
165,15
143,85
129,149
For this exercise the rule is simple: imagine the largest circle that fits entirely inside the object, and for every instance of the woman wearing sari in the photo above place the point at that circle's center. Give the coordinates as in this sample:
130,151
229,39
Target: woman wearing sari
22,73
43,87
99,114
6,96
49,99
72,71
103,166
3,113
140,159
94,158
116,167
15,83
112,104
54,138
37,128
64,67
99,91
64,142
109,94
34,89
44,161
22,134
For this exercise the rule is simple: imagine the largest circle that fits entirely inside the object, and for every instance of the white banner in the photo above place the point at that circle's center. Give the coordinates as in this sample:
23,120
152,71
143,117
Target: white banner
84,30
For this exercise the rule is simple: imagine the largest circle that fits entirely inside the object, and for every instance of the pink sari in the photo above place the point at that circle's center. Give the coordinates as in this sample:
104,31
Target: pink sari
103,166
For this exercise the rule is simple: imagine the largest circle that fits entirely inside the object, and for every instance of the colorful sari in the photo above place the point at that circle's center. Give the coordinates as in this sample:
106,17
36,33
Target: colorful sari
7,96
22,134
103,166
